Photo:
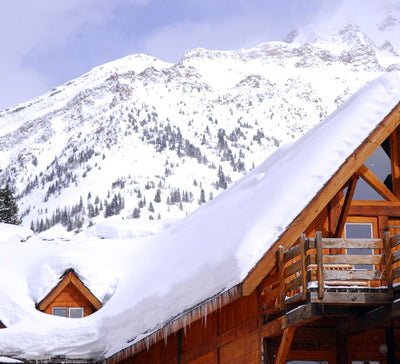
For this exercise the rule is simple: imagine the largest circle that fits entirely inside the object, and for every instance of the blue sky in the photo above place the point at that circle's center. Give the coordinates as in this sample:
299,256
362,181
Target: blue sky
45,43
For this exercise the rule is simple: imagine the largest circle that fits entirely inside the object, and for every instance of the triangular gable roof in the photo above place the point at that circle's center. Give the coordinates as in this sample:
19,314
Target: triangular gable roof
388,120
236,235
69,277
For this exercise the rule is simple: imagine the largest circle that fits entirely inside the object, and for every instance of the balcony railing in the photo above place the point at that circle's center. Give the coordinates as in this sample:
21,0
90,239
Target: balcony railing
339,271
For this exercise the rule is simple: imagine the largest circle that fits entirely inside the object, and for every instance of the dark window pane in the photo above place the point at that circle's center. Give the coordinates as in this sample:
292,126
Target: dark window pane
76,312
360,231
60,311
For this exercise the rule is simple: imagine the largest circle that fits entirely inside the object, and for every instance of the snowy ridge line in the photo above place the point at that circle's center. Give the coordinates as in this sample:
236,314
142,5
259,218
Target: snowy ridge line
182,321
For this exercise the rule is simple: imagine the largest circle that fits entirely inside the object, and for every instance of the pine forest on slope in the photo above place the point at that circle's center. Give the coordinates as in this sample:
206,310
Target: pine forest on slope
144,139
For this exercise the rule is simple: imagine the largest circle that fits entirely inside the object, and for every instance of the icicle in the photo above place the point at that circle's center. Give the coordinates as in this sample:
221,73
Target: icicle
184,321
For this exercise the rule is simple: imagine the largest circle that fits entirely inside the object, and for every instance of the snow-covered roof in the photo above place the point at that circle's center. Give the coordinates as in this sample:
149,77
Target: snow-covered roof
147,280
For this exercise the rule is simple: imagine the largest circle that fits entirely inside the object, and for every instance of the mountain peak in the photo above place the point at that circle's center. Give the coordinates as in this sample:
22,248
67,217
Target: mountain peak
145,139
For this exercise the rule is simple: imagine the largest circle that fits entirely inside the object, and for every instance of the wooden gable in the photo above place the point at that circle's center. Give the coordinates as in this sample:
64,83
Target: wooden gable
348,313
68,293
2,326
352,165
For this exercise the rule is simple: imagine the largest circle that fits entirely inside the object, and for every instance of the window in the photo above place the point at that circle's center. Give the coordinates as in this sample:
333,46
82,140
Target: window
73,312
60,311
76,312
361,231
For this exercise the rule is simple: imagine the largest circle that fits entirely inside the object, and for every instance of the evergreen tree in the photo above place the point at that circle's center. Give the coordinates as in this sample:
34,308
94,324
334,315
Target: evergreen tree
202,197
136,213
157,197
221,183
8,207
151,207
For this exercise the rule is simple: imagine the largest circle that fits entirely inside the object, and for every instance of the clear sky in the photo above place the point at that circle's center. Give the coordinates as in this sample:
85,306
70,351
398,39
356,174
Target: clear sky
45,43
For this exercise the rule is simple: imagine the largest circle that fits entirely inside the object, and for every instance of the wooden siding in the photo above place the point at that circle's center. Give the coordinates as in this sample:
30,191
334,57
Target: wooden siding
242,350
228,335
320,223
210,358
371,346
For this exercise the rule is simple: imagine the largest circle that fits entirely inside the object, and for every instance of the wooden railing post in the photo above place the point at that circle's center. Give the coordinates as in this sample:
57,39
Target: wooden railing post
387,250
303,265
320,265
281,267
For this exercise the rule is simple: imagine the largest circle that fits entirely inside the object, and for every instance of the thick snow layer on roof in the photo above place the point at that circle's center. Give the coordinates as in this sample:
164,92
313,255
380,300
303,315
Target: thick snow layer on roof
147,275
12,233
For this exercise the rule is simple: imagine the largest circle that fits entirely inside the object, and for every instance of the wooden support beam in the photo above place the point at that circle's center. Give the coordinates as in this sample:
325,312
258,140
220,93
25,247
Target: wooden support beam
281,267
378,317
374,208
346,205
387,249
376,183
298,317
320,266
322,198
303,265
383,223
284,347
395,162
334,209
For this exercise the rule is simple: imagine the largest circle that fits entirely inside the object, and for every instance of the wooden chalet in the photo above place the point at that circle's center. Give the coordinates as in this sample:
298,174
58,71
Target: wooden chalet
69,298
2,326
326,291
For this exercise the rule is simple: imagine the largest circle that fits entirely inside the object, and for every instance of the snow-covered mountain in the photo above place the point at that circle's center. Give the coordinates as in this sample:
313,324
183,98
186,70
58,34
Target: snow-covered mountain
142,138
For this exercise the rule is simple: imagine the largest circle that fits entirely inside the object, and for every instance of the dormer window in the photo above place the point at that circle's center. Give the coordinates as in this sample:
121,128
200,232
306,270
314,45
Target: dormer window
69,298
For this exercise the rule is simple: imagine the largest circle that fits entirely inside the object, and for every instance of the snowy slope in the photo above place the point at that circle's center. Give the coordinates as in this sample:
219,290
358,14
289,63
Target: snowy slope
112,138
127,271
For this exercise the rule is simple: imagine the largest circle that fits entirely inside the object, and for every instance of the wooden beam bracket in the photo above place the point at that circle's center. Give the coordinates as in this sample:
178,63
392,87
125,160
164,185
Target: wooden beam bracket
346,205
285,344
376,184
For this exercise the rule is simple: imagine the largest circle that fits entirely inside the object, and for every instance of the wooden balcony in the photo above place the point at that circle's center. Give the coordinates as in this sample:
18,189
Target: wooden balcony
338,272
